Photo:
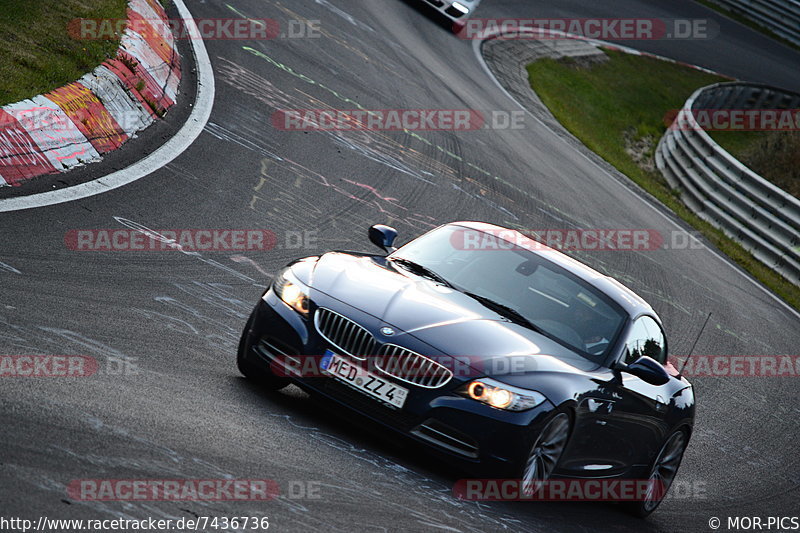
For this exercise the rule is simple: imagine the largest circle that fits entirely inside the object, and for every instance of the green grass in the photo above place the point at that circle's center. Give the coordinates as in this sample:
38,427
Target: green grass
628,97
736,142
774,155
37,53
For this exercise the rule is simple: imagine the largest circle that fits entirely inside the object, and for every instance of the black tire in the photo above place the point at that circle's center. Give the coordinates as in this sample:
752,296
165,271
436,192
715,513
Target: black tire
546,452
668,459
257,373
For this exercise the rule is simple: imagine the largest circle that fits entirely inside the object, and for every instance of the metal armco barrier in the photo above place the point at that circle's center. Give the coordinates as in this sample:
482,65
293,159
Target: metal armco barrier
721,190
780,16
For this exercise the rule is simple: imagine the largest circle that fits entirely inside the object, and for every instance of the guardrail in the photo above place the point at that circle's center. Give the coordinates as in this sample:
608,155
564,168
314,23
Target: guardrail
749,209
780,16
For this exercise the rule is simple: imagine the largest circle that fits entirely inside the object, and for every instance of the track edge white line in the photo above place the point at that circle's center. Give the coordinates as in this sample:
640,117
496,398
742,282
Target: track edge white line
166,153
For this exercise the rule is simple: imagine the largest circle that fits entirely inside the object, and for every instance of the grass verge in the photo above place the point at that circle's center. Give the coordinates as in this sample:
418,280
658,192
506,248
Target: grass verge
37,53
617,108
774,155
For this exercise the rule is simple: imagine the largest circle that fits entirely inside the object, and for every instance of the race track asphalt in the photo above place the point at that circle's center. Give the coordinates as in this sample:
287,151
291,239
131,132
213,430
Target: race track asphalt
176,317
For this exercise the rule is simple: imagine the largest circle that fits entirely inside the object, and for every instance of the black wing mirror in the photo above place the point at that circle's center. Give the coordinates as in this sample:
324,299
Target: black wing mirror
383,237
647,369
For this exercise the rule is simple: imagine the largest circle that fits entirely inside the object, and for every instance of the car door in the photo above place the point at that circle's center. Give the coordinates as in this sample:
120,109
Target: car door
597,438
621,420
642,409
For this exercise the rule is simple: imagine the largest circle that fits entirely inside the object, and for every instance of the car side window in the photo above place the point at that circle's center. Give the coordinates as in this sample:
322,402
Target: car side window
645,338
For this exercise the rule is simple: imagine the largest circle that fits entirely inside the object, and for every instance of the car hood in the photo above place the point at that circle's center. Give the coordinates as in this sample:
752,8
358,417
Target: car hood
445,319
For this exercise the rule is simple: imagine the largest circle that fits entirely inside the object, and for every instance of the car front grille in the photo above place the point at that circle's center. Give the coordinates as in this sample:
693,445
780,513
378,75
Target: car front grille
344,334
412,367
401,363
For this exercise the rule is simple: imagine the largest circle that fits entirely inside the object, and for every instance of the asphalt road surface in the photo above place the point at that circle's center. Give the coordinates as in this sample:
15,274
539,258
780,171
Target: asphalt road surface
168,402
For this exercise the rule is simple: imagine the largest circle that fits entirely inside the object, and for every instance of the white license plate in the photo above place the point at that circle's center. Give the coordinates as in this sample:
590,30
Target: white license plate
362,379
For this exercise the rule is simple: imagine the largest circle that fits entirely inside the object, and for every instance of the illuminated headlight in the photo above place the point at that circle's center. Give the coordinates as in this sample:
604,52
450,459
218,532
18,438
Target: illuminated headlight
460,7
502,396
293,292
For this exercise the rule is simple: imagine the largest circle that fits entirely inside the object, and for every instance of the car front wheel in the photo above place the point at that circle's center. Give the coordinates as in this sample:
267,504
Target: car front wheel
545,453
662,473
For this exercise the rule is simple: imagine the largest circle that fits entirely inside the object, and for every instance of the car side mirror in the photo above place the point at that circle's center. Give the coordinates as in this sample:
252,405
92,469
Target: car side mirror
383,237
647,369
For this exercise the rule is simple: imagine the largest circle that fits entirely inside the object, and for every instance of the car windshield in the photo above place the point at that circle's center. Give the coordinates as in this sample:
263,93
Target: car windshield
519,284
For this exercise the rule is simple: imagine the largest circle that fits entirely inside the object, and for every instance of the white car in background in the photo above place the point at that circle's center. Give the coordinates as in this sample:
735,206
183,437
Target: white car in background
456,11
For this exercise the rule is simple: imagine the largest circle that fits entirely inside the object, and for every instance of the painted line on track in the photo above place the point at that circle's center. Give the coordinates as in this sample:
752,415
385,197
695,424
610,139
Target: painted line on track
201,111
476,47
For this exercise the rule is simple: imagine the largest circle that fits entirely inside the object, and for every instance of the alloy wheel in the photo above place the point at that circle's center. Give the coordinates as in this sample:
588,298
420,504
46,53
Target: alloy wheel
545,453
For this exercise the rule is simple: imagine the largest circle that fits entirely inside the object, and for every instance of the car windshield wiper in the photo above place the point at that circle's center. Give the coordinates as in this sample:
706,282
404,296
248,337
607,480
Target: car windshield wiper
508,312
420,270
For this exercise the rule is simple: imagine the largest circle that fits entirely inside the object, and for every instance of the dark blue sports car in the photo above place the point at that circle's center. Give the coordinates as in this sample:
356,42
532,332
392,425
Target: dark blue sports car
489,347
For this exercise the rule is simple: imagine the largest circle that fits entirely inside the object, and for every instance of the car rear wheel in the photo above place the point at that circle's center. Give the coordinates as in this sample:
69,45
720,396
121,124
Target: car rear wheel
662,473
244,361
545,453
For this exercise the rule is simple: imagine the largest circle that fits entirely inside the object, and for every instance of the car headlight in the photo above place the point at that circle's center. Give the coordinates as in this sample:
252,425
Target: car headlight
292,291
501,396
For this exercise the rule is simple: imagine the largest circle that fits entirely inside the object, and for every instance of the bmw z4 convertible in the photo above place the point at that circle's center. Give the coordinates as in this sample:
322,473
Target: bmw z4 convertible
504,355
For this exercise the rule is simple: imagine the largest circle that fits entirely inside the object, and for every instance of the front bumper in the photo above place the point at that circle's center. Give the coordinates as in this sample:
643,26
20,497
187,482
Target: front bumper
458,427
455,11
